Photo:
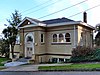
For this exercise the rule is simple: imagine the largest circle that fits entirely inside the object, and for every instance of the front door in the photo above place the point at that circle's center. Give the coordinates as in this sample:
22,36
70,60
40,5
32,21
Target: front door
29,51
29,45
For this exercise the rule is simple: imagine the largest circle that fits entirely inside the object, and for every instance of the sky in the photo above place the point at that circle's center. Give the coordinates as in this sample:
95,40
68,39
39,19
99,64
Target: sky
39,8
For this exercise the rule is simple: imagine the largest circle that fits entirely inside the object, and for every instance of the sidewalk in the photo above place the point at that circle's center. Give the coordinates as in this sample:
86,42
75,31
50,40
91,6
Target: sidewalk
33,67
22,68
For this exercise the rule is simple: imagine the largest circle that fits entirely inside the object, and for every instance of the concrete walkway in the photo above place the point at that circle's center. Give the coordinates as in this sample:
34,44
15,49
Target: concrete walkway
22,68
33,67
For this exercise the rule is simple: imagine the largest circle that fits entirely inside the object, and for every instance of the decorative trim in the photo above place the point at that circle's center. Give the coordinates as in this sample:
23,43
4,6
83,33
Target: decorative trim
58,43
32,31
17,44
61,30
53,54
26,18
71,23
42,43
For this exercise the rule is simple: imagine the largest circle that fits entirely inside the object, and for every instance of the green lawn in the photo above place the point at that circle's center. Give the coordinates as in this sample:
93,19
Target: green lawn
3,60
71,67
1,63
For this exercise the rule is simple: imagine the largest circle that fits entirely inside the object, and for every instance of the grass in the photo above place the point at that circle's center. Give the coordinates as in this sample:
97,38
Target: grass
1,63
71,67
3,60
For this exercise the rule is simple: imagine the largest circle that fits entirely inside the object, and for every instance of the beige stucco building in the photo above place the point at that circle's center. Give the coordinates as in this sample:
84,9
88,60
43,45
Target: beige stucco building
52,40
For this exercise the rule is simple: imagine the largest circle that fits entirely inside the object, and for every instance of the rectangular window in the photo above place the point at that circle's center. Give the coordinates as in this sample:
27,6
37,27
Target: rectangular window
42,38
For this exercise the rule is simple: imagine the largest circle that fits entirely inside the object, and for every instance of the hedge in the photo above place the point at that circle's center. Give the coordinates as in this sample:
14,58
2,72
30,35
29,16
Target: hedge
95,56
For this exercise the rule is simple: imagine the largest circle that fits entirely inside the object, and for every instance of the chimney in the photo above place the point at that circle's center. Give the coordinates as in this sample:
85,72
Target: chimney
85,17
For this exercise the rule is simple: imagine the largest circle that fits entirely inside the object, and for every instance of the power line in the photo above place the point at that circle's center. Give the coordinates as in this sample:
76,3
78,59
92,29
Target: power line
84,10
36,6
63,9
43,7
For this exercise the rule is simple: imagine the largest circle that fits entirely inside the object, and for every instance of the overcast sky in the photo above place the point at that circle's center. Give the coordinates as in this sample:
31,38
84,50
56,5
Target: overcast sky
38,8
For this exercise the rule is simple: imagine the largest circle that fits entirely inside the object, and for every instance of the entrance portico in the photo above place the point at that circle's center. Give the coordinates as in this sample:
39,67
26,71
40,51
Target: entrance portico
29,44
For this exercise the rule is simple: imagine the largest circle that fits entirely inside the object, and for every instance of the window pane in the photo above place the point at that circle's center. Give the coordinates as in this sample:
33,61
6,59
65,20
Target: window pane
29,39
61,38
27,48
30,48
61,59
67,37
42,38
55,38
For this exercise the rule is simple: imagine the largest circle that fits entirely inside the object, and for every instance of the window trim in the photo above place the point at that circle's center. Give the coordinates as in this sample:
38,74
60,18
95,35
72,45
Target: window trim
64,42
29,39
53,38
42,38
61,38
68,37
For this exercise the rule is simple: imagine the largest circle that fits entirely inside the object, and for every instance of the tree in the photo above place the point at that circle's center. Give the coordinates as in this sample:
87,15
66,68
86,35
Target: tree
97,38
4,47
97,28
10,33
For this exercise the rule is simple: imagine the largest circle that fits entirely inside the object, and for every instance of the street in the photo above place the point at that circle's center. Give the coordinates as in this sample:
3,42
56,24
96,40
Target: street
49,73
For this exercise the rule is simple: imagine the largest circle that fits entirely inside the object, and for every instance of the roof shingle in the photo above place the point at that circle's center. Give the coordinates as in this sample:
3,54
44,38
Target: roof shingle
58,20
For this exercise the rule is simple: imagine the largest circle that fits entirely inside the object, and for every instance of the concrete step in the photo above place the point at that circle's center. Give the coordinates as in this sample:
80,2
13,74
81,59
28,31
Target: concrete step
23,60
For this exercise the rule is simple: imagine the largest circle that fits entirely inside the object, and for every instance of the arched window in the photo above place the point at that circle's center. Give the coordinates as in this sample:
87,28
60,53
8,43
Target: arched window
55,38
29,38
61,38
67,37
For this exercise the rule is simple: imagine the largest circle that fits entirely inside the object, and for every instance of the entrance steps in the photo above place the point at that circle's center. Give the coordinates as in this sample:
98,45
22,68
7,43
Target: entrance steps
23,59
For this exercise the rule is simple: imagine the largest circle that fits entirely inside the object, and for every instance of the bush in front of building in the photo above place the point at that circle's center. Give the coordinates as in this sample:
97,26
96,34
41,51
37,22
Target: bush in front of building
85,54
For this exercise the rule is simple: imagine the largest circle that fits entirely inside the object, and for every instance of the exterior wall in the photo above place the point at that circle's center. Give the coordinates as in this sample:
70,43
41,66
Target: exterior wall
48,46
16,51
85,36
21,42
39,47
60,48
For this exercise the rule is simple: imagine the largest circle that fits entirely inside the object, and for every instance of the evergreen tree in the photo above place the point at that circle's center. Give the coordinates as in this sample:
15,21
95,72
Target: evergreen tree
10,33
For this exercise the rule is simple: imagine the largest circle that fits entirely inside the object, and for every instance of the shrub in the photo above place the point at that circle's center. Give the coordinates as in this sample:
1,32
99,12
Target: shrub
82,51
85,54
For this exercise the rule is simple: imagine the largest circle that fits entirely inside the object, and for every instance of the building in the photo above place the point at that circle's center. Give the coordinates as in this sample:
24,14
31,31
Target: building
52,40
